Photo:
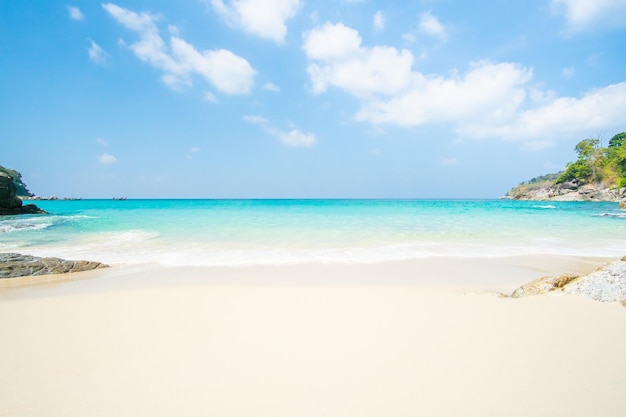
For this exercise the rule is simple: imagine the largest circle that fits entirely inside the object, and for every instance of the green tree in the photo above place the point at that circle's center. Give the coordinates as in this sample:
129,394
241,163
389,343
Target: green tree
589,164
616,158
617,140
20,187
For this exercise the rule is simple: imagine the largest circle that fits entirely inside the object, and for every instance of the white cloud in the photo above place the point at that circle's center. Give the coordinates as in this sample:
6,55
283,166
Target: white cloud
488,100
271,87
228,72
569,72
264,18
210,97
331,41
409,37
223,69
259,120
340,61
293,137
173,30
75,13
487,92
101,141
379,20
430,25
598,109
106,159
583,15
96,53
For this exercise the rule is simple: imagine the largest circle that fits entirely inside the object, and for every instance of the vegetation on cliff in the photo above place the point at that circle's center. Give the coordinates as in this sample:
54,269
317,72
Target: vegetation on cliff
597,164
20,188
597,170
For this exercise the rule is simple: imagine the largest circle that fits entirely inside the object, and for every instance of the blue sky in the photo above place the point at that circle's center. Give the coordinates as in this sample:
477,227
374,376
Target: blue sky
302,99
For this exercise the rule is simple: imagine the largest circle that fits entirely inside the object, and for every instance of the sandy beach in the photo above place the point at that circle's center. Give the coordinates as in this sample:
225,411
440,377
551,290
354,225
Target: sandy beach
425,337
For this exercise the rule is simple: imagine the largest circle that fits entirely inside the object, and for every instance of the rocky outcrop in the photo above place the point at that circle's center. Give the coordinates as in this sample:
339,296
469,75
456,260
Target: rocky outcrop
13,265
543,285
607,284
569,191
10,203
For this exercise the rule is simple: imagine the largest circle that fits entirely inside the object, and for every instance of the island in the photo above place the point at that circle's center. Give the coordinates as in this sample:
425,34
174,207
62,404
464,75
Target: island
598,174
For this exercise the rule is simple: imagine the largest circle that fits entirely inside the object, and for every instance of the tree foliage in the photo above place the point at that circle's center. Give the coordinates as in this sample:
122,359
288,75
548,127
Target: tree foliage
617,140
596,164
20,188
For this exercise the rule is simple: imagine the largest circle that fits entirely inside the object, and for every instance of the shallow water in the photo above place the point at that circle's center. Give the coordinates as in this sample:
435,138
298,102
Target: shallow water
241,232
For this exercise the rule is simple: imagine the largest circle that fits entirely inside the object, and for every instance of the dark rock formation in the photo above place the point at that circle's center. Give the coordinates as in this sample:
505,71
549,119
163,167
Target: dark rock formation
607,284
10,203
14,265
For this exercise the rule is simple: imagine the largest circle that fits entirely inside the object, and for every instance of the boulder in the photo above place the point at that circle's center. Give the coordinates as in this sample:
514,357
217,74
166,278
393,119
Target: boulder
10,203
13,265
543,285
607,284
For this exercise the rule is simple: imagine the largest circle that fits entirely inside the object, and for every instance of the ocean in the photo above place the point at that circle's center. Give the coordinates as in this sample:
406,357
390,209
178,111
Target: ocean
275,232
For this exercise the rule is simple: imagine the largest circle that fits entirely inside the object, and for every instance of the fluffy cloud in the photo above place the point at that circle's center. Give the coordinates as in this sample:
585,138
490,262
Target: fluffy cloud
431,26
379,21
597,110
489,100
107,159
75,13
223,69
488,91
340,61
293,137
587,14
96,53
264,18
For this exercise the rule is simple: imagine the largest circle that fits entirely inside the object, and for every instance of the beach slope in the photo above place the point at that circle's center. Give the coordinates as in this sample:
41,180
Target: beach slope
309,340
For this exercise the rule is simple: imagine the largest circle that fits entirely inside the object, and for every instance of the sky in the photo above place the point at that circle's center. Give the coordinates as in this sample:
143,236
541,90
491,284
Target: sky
303,99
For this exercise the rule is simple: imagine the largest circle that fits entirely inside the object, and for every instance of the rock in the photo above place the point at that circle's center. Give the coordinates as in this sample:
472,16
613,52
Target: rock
543,285
14,265
607,284
10,203
570,185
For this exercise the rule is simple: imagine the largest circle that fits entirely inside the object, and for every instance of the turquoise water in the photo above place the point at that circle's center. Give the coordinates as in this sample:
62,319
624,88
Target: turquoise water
243,232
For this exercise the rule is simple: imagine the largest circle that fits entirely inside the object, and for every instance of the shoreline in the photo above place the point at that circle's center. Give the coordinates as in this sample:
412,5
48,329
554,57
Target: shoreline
459,271
368,340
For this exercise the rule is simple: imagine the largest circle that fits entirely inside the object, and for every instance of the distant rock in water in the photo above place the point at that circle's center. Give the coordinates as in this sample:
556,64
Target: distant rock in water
13,265
607,284
10,203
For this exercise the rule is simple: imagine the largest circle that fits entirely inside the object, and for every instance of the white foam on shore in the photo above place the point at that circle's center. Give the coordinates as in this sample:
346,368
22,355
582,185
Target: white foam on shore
141,247
18,225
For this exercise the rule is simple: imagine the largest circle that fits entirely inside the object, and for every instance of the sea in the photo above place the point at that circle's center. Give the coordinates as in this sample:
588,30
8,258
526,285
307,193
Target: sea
278,232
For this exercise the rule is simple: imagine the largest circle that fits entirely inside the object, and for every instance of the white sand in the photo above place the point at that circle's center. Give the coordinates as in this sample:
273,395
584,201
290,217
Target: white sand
397,339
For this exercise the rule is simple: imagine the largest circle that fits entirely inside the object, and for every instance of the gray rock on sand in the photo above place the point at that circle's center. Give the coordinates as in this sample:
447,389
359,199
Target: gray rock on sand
607,284
13,265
